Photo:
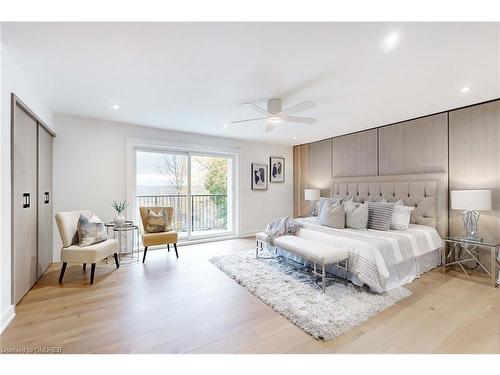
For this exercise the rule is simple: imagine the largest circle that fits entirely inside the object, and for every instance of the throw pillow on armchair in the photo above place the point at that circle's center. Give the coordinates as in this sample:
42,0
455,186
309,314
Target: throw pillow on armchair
157,222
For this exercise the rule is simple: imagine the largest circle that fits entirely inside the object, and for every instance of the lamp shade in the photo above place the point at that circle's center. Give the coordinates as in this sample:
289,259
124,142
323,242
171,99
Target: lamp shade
471,200
311,194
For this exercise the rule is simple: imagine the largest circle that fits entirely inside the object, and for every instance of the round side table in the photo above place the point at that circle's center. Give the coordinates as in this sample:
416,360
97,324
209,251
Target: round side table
127,256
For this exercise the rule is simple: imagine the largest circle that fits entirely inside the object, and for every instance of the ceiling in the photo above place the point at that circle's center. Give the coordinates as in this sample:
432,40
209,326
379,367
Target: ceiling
194,77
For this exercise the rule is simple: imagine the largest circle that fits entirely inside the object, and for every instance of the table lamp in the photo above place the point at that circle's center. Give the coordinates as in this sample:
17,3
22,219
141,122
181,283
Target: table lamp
312,196
471,202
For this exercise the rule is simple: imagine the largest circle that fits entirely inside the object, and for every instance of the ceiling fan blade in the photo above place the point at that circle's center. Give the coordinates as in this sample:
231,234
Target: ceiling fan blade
250,119
255,107
269,127
302,120
299,107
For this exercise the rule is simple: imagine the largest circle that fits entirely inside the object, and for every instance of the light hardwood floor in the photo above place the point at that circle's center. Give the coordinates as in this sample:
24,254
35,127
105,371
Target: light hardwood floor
189,306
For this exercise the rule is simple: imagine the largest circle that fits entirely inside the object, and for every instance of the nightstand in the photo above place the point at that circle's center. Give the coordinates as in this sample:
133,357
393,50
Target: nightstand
467,250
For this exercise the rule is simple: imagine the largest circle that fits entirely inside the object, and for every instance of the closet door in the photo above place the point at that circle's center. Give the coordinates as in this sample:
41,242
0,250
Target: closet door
44,200
24,203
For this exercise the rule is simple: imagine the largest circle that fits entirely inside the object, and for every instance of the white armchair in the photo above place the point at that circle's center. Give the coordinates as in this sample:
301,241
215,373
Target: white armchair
67,222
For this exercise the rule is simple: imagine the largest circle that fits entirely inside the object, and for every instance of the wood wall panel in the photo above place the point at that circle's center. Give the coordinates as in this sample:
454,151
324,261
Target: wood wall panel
417,146
312,169
356,154
300,176
475,161
320,166
472,161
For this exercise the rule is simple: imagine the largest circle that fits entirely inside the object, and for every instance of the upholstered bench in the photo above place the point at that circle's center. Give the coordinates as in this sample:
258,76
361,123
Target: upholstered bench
316,252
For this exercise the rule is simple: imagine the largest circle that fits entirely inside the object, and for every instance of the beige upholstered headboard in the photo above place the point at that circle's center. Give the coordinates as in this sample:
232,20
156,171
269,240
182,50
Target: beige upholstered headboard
427,192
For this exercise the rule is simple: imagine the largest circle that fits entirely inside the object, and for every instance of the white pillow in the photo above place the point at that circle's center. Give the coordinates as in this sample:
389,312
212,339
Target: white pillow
356,215
401,214
90,230
323,200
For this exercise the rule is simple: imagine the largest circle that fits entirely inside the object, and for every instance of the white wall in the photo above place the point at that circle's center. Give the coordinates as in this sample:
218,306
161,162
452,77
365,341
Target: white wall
90,170
13,80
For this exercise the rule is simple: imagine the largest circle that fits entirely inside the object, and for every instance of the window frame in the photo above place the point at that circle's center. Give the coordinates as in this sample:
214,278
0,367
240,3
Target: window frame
149,145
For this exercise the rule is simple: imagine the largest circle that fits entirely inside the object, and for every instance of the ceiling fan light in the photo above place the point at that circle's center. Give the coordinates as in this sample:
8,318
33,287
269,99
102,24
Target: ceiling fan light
274,119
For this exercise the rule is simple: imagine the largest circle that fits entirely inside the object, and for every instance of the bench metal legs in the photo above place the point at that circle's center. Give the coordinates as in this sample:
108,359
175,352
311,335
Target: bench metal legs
342,265
259,246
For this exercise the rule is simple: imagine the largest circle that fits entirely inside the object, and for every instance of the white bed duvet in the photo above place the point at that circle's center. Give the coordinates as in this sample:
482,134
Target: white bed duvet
381,259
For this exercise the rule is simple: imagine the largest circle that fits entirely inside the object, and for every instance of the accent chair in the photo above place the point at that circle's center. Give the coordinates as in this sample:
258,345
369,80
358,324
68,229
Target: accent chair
157,238
67,222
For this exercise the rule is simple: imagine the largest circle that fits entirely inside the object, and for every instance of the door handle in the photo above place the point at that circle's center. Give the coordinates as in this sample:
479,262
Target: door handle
46,197
26,200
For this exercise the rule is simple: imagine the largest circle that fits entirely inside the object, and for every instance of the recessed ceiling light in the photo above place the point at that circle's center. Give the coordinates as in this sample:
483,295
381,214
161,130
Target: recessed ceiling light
226,125
116,106
465,89
294,137
391,41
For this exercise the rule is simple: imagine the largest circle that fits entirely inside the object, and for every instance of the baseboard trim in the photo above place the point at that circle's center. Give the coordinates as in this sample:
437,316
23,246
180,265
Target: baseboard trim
247,234
207,240
7,318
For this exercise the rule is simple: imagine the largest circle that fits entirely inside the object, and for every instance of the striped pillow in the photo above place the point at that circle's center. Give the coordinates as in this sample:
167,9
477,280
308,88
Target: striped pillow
380,215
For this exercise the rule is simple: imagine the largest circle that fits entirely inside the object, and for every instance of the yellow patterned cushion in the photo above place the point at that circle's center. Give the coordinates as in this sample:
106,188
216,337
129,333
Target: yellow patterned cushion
157,222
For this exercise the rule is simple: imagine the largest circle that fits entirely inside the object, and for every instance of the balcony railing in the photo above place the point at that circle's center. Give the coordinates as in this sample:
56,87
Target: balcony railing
208,211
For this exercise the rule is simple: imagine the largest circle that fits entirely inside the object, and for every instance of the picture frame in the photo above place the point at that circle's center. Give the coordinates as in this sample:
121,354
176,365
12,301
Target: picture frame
277,169
259,176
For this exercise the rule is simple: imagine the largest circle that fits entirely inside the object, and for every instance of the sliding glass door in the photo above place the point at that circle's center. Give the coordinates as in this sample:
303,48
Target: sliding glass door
199,186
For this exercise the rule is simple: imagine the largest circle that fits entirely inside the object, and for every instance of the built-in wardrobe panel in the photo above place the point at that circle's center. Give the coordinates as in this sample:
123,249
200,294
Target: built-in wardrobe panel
475,161
355,154
300,176
44,200
416,146
24,203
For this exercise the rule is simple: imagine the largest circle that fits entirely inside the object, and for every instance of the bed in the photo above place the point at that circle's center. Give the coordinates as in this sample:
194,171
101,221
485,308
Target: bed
384,260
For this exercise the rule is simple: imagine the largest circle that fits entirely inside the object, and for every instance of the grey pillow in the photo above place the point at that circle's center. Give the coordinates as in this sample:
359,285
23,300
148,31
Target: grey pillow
380,215
356,215
324,200
90,230
332,215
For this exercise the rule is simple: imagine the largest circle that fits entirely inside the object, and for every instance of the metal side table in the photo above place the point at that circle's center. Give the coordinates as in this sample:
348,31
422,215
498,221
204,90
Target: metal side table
467,250
126,255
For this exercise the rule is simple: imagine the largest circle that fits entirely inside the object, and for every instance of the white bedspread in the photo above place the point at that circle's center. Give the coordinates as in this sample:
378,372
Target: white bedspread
373,253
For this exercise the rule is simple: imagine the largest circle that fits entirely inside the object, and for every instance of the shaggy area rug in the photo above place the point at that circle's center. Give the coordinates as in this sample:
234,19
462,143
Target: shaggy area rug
291,290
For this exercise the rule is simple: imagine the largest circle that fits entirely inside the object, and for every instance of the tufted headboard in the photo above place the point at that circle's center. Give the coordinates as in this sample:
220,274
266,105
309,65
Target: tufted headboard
427,192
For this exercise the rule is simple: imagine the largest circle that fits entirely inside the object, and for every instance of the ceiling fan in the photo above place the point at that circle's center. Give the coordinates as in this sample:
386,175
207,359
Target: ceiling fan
275,114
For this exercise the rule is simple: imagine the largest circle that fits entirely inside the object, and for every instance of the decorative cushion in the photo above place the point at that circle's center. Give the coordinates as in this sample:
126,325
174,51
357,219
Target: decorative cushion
401,214
356,215
157,222
380,215
332,215
323,200
90,230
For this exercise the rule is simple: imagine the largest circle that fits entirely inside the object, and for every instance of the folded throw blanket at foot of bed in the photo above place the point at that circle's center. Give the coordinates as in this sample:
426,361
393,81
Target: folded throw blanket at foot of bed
281,227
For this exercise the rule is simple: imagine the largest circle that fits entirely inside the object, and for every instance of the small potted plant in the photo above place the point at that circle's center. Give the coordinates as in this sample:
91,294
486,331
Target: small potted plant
120,208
